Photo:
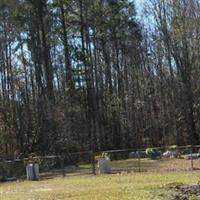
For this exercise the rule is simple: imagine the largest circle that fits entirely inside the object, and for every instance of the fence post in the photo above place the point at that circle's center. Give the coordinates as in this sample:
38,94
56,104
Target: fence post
62,165
139,161
191,157
93,162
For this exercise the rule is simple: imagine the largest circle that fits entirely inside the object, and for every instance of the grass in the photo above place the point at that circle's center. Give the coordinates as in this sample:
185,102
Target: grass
133,186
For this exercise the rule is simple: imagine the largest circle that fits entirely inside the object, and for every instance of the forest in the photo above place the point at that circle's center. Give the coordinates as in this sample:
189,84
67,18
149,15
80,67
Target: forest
79,75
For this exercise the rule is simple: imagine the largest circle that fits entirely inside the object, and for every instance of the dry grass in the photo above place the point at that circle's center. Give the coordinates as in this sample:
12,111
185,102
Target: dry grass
134,186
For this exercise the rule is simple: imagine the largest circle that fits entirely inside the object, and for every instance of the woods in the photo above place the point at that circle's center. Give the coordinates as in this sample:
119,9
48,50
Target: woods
79,75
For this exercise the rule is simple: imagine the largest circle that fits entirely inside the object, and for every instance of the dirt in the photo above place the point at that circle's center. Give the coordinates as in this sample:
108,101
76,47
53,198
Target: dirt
187,193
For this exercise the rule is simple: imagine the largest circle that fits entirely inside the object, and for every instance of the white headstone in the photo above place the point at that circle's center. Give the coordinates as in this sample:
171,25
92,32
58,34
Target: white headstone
167,154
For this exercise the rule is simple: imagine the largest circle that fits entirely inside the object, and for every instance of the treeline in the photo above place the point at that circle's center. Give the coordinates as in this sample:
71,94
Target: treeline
81,75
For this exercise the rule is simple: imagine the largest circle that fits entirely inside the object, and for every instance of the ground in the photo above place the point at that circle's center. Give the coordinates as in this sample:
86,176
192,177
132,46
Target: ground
124,186
187,192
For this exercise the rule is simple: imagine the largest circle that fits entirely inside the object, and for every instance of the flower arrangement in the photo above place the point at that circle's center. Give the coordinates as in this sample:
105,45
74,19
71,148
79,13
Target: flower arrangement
149,152
101,156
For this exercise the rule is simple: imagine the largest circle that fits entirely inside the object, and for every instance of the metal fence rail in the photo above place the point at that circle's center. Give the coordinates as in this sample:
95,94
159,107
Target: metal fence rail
124,160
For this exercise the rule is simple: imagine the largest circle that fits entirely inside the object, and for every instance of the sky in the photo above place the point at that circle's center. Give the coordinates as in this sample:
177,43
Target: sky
139,4
145,18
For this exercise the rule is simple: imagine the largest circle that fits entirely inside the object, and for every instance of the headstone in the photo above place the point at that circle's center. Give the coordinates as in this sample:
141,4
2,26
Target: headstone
167,154
175,154
133,155
104,166
192,156
32,171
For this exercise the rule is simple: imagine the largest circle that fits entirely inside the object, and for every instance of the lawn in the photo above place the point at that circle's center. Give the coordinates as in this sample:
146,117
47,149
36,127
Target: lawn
133,186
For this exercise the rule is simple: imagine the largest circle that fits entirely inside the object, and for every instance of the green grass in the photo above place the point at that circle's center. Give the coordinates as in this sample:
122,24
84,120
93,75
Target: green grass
133,186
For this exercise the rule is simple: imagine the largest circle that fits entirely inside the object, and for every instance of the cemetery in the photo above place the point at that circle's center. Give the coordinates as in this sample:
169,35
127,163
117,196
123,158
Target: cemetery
167,168
109,162
99,99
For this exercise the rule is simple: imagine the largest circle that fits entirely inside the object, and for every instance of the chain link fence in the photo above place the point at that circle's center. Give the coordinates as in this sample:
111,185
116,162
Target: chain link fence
49,166
127,160
155,159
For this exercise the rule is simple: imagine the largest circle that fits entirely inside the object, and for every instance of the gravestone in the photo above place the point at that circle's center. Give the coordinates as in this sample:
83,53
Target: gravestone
32,171
167,154
104,165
